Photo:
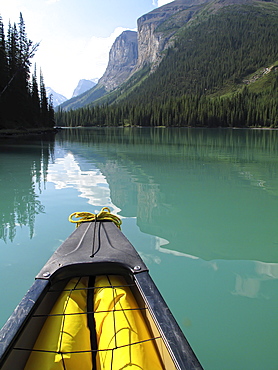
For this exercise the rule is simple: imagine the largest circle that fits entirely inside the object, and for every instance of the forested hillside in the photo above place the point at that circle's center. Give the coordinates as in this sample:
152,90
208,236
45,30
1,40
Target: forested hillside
23,100
221,71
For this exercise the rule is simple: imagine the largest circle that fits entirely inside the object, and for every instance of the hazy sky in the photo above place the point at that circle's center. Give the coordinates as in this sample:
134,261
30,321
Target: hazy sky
75,35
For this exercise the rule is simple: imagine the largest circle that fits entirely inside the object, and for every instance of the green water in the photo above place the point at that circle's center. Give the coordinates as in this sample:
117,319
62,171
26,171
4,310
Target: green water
200,206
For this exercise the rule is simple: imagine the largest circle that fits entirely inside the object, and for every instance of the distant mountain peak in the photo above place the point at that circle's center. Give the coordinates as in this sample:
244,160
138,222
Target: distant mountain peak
56,97
83,86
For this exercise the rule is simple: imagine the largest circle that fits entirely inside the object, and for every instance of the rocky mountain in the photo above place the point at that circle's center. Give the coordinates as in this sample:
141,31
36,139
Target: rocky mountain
134,57
56,98
133,51
83,86
123,58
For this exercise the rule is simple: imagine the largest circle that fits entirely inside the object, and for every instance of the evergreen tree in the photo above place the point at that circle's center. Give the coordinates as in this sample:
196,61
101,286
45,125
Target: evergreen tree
12,52
3,58
51,113
35,98
3,73
24,51
13,88
43,101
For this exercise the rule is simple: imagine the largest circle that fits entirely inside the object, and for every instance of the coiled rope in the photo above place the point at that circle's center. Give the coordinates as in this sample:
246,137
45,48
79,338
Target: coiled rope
104,214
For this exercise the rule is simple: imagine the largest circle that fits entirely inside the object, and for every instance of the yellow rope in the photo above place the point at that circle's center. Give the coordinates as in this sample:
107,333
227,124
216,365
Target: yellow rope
104,214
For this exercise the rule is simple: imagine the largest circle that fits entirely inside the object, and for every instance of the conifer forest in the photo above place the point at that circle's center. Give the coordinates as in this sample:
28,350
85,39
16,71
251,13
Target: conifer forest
23,99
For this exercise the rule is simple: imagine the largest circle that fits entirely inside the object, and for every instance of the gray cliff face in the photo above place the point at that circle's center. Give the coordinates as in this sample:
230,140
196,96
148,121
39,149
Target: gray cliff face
123,57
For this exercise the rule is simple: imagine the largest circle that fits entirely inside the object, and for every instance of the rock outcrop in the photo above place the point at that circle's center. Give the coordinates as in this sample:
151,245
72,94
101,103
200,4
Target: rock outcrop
123,58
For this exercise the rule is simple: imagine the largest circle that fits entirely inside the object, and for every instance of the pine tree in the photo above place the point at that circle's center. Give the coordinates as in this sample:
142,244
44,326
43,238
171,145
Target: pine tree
3,74
43,101
24,47
12,52
35,98
3,58
12,89
51,113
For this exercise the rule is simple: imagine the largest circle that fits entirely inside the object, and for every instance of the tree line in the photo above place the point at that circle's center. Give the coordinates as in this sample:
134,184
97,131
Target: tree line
23,99
243,109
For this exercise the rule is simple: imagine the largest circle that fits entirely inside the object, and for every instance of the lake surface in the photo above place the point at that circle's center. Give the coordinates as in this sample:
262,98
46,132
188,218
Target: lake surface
199,205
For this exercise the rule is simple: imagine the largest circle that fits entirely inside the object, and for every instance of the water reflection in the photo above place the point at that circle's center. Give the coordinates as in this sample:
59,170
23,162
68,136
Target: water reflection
23,170
210,193
67,172
249,284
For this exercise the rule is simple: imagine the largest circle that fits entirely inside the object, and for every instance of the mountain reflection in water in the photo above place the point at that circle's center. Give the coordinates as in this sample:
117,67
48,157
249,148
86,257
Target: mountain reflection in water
217,183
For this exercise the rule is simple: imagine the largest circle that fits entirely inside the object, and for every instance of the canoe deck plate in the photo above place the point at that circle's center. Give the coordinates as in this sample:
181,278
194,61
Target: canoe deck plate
92,245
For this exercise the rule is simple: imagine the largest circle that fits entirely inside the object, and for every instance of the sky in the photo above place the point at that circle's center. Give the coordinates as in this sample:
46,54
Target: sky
75,36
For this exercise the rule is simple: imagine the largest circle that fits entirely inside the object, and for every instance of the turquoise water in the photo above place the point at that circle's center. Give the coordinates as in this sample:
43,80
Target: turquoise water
200,206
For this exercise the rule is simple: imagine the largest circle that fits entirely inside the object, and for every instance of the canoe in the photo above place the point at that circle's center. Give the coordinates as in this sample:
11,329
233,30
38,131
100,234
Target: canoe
94,306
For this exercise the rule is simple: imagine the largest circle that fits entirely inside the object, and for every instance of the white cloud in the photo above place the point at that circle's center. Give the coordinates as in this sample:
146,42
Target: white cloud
65,61
161,2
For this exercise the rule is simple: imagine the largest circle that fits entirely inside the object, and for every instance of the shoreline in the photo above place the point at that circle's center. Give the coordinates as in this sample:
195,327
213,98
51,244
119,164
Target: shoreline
171,127
10,133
